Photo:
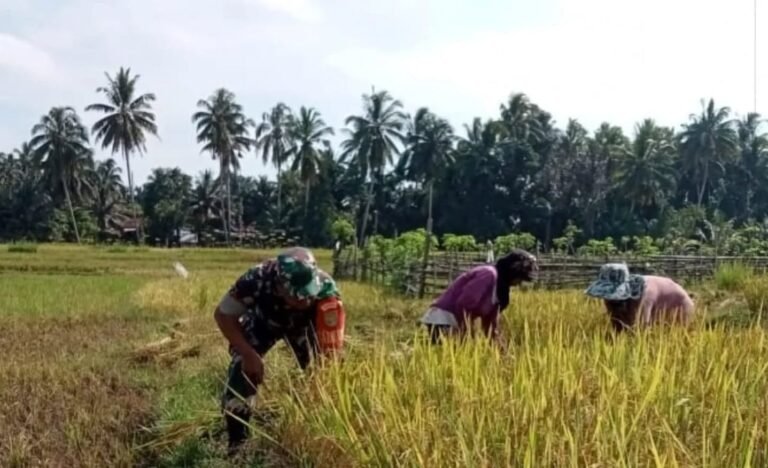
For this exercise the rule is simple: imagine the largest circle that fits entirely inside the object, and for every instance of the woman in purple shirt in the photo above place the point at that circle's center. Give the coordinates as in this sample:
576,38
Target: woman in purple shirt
482,292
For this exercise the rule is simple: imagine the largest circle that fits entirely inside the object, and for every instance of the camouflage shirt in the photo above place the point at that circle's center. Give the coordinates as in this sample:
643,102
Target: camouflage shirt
253,299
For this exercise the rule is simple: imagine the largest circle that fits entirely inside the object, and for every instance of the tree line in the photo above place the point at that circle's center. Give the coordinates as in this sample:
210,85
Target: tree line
392,172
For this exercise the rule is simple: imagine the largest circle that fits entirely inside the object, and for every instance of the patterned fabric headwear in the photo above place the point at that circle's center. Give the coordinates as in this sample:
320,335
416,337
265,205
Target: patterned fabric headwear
614,283
297,269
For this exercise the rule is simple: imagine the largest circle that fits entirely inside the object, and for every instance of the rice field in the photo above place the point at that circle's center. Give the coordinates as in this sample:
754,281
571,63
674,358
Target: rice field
110,359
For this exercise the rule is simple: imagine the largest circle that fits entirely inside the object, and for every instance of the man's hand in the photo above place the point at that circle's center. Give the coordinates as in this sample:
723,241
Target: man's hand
253,367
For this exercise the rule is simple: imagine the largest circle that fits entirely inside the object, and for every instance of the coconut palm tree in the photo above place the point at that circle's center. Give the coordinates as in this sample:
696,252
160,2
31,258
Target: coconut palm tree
107,193
60,146
204,197
480,145
645,172
707,142
24,158
753,156
16,165
273,141
519,119
7,171
129,118
224,130
374,140
307,133
429,150
593,174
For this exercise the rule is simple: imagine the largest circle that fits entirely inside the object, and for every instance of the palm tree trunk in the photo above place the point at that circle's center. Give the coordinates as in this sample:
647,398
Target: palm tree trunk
306,209
279,197
228,216
130,194
704,181
427,245
102,220
364,223
240,222
548,228
199,233
239,213
71,210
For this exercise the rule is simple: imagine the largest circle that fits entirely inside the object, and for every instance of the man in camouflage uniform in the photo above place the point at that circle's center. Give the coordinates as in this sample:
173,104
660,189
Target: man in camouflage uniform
275,300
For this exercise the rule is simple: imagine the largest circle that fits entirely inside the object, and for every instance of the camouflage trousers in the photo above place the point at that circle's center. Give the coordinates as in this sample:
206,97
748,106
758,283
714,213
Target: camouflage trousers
262,337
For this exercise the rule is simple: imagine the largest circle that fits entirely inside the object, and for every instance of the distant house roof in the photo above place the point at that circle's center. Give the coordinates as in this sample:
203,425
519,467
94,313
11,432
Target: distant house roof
130,225
187,237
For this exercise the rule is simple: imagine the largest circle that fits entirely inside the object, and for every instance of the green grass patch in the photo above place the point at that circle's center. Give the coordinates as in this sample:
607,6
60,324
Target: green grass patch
22,248
732,276
125,249
70,296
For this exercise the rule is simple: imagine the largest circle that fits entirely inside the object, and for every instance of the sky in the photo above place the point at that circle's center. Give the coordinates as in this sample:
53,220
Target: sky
618,61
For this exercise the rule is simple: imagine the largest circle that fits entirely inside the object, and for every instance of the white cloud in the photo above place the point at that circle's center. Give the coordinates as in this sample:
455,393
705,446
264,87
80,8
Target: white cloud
591,59
600,60
302,10
20,56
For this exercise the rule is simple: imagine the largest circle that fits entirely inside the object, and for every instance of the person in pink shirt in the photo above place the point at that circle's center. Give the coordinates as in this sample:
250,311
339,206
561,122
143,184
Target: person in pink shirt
480,293
640,300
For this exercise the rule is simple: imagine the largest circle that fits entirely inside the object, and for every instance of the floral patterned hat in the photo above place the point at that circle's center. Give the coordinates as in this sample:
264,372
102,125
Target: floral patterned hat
614,283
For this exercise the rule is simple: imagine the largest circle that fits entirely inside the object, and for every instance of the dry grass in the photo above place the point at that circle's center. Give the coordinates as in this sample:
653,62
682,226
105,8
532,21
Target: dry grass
562,396
66,394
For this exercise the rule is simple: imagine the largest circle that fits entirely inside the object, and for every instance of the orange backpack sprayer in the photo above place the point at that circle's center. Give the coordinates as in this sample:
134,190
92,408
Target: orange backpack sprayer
329,325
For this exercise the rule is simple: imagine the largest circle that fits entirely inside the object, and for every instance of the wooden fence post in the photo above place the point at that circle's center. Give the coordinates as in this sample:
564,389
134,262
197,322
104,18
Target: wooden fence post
425,263
489,255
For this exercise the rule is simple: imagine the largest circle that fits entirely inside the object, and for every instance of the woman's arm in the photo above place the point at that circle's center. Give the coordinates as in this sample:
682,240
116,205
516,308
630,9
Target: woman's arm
490,325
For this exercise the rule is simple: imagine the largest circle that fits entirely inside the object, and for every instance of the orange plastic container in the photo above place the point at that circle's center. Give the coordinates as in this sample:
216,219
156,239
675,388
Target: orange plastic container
329,325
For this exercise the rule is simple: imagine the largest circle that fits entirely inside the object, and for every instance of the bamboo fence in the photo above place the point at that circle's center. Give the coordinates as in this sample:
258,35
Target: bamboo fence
555,271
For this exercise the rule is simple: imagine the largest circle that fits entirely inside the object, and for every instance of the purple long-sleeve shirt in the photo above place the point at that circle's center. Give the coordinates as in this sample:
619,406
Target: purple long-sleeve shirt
473,295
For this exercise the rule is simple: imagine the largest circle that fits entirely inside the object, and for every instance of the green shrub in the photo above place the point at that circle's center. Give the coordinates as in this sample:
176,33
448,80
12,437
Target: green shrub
599,248
454,243
645,246
22,248
398,255
523,240
564,244
62,230
343,231
732,276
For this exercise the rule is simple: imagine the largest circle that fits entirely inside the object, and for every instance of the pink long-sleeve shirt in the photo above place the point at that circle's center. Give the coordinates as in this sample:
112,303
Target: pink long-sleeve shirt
663,298
473,295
